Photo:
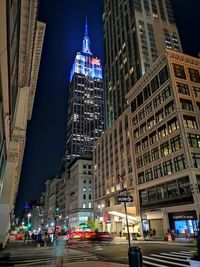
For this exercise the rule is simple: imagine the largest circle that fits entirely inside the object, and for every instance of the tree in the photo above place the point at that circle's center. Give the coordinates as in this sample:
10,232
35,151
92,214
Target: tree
93,225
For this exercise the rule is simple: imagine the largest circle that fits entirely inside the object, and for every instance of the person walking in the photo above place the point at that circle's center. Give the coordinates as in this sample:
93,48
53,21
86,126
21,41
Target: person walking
39,239
59,250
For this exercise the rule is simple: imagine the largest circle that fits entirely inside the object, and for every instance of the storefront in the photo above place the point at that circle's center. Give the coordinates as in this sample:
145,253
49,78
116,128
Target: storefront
183,222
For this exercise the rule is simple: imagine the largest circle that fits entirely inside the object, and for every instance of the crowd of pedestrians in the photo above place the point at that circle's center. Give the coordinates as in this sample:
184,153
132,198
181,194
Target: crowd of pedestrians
39,239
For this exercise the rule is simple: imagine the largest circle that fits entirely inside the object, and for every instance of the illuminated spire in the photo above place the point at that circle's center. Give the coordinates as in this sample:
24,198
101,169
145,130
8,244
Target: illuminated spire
86,41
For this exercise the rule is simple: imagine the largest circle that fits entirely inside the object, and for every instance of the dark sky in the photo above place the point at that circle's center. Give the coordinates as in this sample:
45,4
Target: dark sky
46,133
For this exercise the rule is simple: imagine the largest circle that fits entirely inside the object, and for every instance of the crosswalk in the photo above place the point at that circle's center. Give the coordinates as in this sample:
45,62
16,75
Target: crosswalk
71,257
167,259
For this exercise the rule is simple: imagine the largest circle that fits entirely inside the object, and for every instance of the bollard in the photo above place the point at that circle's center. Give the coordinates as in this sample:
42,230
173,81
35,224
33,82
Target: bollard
135,257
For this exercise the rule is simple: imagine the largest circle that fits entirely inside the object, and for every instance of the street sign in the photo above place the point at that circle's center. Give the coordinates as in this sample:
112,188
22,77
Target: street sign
125,199
123,192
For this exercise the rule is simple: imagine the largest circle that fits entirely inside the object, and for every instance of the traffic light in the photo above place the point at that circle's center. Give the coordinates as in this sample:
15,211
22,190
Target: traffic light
57,209
29,225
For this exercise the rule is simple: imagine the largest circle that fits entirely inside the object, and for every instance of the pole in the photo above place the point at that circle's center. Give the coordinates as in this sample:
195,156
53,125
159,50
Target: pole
129,241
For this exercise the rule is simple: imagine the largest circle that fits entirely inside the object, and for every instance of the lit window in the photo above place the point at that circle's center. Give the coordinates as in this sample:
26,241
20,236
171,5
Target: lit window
84,189
84,206
90,205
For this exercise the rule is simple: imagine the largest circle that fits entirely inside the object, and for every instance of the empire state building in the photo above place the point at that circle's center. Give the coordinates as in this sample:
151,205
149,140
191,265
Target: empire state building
85,121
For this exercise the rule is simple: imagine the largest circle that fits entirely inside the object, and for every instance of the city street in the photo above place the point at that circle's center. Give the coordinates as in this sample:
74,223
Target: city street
154,253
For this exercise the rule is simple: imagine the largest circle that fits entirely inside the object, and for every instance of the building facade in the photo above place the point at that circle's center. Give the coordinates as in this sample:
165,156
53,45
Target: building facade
85,121
79,197
135,33
113,157
21,43
165,123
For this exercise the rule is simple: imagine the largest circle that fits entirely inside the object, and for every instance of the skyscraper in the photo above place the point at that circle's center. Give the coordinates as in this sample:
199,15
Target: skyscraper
85,103
136,32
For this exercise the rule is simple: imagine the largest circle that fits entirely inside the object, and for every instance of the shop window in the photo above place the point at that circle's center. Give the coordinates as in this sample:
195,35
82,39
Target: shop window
179,71
194,140
148,175
152,196
196,160
176,143
172,125
184,185
186,104
165,149
196,91
166,93
194,75
155,153
163,75
183,88
168,167
161,191
190,122
172,189
157,101
154,84
141,178
169,108
157,170
179,163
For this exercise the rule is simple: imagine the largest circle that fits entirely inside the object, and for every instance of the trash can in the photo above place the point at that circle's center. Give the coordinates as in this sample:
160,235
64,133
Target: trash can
135,257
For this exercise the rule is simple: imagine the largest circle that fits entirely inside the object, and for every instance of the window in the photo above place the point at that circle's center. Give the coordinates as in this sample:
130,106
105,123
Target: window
84,181
141,179
133,105
147,92
155,153
194,140
186,104
136,133
176,143
159,115
143,128
145,143
172,189
179,71
162,132
154,84
147,158
172,125
198,106
149,175
198,181
150,122
90,181
139,99
161,191
184,185
152,194
190,122
144,196
84,206
169,108
148,108
84,166
84,196
157,101
183,88
141,115
179,163
90,196
196,160
84,189
163,75
153,138
139,162
157,170
89,205
194,75
166,93
196,91
89,189
167,167
135,120
137,147
165,149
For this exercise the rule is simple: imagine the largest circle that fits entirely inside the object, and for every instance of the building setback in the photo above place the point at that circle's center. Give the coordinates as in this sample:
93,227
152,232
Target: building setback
135,33
85,118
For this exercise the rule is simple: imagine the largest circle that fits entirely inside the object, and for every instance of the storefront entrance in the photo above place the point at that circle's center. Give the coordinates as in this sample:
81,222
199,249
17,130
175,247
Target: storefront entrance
183,222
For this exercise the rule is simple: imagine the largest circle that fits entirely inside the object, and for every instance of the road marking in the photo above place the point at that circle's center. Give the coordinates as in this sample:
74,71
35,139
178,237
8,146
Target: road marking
154,264
178,256
166,257
180,253
177,264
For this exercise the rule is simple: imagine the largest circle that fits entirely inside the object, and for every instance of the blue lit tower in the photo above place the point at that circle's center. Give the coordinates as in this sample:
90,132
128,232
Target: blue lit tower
85,103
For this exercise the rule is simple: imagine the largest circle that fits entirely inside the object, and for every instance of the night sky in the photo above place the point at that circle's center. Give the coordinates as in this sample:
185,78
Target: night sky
46,133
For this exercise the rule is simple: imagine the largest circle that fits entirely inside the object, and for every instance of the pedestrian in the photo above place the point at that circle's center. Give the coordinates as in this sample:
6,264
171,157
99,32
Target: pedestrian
39,239
45,239
59,250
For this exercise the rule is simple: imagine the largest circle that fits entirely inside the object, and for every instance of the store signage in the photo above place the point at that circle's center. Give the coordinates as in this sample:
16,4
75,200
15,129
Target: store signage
183,217
125,199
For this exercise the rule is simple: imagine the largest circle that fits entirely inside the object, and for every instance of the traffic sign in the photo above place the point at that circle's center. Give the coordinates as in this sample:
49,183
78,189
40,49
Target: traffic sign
123,192
125,199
